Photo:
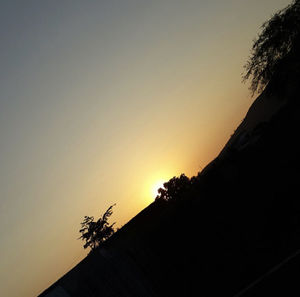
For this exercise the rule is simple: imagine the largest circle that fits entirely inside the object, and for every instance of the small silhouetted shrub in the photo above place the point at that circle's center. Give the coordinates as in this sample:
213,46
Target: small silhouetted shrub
94,233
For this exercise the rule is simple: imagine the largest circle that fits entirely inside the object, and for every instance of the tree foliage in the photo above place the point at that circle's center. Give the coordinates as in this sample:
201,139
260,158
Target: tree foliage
94,233
279,39
174,188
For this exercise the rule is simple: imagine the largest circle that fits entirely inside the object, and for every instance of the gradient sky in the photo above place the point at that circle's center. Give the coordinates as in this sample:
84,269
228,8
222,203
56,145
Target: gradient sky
100,100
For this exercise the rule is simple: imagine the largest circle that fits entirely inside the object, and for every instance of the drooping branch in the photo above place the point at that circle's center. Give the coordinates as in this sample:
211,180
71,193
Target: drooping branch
280,38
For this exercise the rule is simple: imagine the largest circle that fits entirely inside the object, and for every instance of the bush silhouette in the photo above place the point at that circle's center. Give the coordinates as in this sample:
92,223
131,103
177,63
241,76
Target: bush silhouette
175,187
279,40
95,233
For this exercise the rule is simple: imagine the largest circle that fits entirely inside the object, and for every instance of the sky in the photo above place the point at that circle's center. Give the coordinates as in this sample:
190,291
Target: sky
100,101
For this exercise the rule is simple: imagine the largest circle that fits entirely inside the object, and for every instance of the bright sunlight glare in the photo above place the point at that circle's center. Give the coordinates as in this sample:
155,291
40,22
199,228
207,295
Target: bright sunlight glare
155,187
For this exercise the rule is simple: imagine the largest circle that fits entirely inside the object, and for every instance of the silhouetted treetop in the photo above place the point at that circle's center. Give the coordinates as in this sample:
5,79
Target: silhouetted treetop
175,187
279,39
95,233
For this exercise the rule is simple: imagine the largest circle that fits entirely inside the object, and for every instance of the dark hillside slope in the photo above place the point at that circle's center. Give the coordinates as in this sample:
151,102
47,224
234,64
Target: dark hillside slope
241,218
252,202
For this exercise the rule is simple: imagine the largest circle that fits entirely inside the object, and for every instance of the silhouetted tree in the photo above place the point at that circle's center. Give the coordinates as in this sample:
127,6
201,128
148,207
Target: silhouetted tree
279,39
95,233
173,188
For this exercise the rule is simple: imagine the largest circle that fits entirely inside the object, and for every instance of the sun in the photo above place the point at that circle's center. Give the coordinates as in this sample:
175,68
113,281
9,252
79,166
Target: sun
155,187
